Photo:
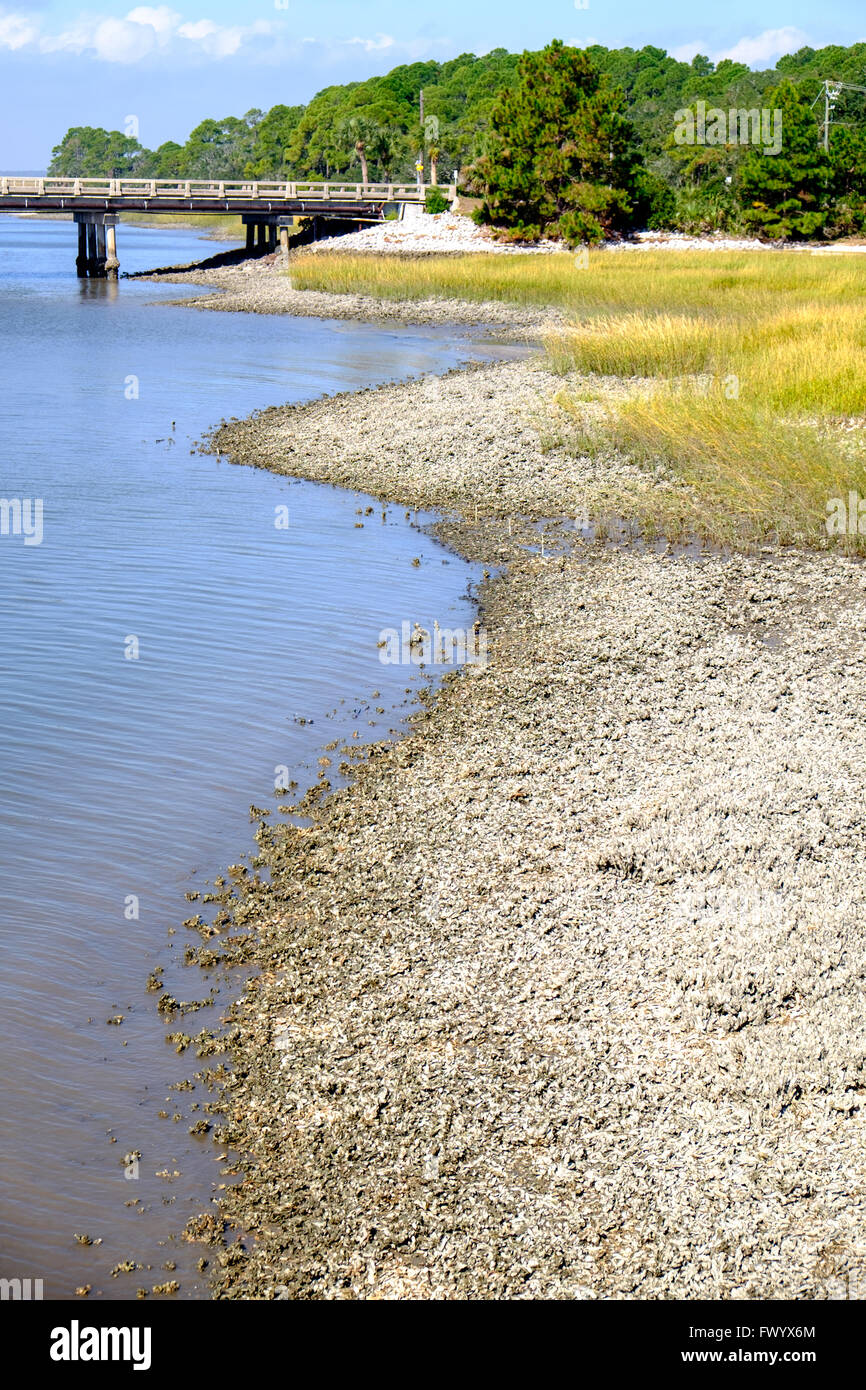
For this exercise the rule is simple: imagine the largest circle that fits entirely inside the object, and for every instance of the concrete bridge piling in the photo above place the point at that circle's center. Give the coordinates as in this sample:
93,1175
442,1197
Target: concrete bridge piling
97,245
261,232
265,234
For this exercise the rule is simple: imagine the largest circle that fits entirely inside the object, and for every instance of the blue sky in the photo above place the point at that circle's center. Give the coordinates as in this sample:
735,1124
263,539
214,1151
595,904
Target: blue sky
65,63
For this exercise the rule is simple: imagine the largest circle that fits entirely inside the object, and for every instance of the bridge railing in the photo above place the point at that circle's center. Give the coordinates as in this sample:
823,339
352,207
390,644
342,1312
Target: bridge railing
235,189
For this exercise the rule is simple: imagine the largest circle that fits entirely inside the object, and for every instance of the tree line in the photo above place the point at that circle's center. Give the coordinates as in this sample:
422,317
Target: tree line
576,143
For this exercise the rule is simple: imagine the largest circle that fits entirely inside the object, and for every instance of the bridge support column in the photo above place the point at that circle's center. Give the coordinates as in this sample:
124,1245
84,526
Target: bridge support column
266,233
112,264
99,238
97,245
81,258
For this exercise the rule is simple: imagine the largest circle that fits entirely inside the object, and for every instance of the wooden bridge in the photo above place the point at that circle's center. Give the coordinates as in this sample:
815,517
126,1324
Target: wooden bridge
267,208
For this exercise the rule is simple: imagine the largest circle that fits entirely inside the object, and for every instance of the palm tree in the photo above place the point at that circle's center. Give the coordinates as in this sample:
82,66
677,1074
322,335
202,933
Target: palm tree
386,147
433,154
359,132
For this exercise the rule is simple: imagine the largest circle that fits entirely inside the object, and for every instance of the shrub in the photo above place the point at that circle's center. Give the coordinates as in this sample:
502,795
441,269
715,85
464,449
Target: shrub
435,201
698,211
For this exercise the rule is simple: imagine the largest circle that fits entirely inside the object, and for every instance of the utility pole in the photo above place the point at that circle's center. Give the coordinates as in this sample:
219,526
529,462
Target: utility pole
419,164
831,96
831,92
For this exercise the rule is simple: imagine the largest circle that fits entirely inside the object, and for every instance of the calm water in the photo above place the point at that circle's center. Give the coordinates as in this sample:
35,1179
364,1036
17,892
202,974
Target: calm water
128,782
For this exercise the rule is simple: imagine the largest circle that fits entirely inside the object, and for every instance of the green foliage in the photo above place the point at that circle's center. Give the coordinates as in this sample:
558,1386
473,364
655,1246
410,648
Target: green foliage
435,201
90,152
702,210
654,201
273,136
363,137
843,64
221,149
848,160
562,159
783,195
458,95
162,163
630,102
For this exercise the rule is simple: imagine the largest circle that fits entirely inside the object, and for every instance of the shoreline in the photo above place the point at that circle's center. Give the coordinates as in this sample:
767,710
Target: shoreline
262,286
559,997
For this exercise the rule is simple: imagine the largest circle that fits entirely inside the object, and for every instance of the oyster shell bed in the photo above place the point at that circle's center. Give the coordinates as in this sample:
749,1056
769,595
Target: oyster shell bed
263,286
424,232
562,996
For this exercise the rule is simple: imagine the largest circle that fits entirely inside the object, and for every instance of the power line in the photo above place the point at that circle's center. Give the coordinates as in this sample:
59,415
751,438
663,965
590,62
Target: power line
831,91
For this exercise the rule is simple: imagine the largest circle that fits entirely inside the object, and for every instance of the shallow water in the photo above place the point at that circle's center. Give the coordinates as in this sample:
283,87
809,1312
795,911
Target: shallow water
161,647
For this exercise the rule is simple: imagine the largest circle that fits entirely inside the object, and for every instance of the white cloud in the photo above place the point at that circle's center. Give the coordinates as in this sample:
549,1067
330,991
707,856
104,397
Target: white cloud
119,41
376,45
759,51
201,29
211,38
154,33
146,29
16,31
768,46
219,41
162,19
332,51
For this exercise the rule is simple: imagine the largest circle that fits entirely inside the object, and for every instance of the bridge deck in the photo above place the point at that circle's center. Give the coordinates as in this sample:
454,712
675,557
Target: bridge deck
199,195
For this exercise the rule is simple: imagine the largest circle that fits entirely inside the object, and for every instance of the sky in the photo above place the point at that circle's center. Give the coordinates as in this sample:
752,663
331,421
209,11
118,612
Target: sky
63,63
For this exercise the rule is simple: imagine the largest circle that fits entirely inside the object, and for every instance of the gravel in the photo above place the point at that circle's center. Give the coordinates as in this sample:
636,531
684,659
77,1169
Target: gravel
263,286
561,997
427,233
684,241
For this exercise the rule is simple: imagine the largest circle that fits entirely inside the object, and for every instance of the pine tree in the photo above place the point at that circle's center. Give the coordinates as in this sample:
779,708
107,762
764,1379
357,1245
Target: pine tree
783,195
561,159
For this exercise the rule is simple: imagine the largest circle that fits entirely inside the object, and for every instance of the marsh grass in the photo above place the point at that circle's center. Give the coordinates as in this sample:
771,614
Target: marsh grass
746,383
730,471
712,283
222,228
801,361
640,344
753,412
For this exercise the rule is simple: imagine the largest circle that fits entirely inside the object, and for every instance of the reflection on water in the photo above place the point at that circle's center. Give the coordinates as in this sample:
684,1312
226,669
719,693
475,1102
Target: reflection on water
165,648
98,289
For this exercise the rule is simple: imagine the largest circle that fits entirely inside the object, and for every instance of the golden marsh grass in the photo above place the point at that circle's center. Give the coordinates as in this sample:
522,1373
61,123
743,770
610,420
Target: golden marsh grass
713,283
746,371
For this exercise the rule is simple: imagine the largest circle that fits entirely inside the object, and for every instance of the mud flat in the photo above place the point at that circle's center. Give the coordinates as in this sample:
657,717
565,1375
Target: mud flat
562,996
263,287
